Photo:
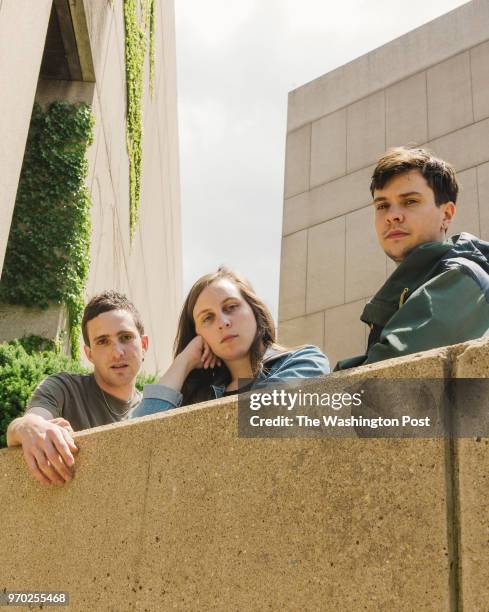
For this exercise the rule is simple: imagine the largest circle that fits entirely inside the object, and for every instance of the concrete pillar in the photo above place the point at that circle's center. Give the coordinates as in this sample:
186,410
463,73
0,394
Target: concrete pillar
23,26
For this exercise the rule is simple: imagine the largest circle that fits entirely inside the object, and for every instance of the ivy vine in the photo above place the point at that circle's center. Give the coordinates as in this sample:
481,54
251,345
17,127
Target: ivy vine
139,20
152,23
47,257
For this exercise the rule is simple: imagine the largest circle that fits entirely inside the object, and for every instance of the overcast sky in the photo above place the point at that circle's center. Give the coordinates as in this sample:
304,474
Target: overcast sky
236,62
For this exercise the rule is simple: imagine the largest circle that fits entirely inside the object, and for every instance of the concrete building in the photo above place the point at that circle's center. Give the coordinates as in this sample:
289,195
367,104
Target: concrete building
429,87
74,50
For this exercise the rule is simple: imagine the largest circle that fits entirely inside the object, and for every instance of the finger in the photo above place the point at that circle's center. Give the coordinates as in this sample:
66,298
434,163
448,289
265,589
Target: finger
63,471
46,468
58,454
66,433
34,470
207,359
55,460
210,358
69,441
205,352
63,423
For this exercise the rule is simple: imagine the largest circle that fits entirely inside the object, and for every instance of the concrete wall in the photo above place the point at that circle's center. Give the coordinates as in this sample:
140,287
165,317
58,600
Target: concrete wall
23,26
149,270
175,512
429,87
18,321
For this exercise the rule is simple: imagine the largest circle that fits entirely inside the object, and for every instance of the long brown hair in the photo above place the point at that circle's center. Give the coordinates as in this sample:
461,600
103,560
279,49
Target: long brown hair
197,387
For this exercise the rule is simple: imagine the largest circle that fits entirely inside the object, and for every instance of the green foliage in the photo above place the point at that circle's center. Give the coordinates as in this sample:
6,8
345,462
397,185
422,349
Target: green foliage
22,367
139,19
152,23
47,257
145,379
37,344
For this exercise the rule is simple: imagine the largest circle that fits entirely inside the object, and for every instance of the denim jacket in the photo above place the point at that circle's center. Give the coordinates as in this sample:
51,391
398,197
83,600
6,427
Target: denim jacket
305,362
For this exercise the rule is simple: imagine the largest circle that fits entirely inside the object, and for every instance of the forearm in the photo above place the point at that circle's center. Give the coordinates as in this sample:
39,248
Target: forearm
164,395
306,362
176,374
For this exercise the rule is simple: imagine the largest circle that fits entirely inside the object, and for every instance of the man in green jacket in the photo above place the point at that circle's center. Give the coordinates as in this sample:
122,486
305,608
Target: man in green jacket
439,293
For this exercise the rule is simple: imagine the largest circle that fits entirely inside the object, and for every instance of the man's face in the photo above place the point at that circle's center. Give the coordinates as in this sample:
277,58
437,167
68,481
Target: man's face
406,215
116,350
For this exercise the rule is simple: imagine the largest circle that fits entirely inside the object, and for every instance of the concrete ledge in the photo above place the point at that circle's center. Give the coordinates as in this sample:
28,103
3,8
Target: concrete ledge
174,511
472,476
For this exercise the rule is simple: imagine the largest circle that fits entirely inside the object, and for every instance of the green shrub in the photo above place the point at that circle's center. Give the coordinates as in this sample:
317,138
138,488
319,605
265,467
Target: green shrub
37,344
22,368
145,379
23,364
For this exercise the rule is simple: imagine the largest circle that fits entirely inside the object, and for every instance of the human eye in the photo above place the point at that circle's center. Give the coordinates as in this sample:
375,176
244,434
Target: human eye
231,306
206,318
381,206
102,341
127,337
411,201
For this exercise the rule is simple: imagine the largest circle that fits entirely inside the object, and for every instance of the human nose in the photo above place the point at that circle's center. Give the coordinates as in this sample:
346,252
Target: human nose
394,214
224,321
118,349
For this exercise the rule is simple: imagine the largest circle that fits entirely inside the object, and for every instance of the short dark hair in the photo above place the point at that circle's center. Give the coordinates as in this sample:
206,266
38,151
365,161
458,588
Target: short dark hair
105,302
439,174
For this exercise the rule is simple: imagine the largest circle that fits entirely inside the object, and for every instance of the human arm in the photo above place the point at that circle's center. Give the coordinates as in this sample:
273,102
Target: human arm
306,362
166,394
47,444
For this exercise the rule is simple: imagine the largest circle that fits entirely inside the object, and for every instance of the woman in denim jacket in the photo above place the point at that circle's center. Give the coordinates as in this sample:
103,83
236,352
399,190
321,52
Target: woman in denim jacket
225,333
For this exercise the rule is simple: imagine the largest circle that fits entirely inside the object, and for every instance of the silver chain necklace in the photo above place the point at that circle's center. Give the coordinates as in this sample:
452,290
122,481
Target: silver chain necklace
114,414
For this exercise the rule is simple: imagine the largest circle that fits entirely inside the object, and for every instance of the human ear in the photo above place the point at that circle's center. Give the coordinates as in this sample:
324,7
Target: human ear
448,214
88,353
144,343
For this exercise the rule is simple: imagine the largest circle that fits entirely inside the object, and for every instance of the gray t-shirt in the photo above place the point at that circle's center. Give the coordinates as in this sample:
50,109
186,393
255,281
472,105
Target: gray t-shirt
78,399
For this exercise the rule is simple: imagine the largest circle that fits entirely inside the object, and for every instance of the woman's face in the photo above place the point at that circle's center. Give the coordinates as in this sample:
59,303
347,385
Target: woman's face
225,320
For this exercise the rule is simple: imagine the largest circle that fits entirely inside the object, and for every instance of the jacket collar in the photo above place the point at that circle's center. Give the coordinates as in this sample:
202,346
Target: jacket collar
271,354
412,272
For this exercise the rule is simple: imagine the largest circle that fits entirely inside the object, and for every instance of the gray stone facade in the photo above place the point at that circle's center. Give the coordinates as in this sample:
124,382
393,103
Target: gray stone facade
429,87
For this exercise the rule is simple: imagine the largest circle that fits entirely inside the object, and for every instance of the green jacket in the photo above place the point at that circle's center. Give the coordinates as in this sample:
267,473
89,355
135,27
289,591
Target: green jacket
439,295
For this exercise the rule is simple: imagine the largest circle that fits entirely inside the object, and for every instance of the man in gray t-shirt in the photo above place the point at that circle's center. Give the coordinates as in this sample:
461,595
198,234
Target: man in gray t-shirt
115,344
68,396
